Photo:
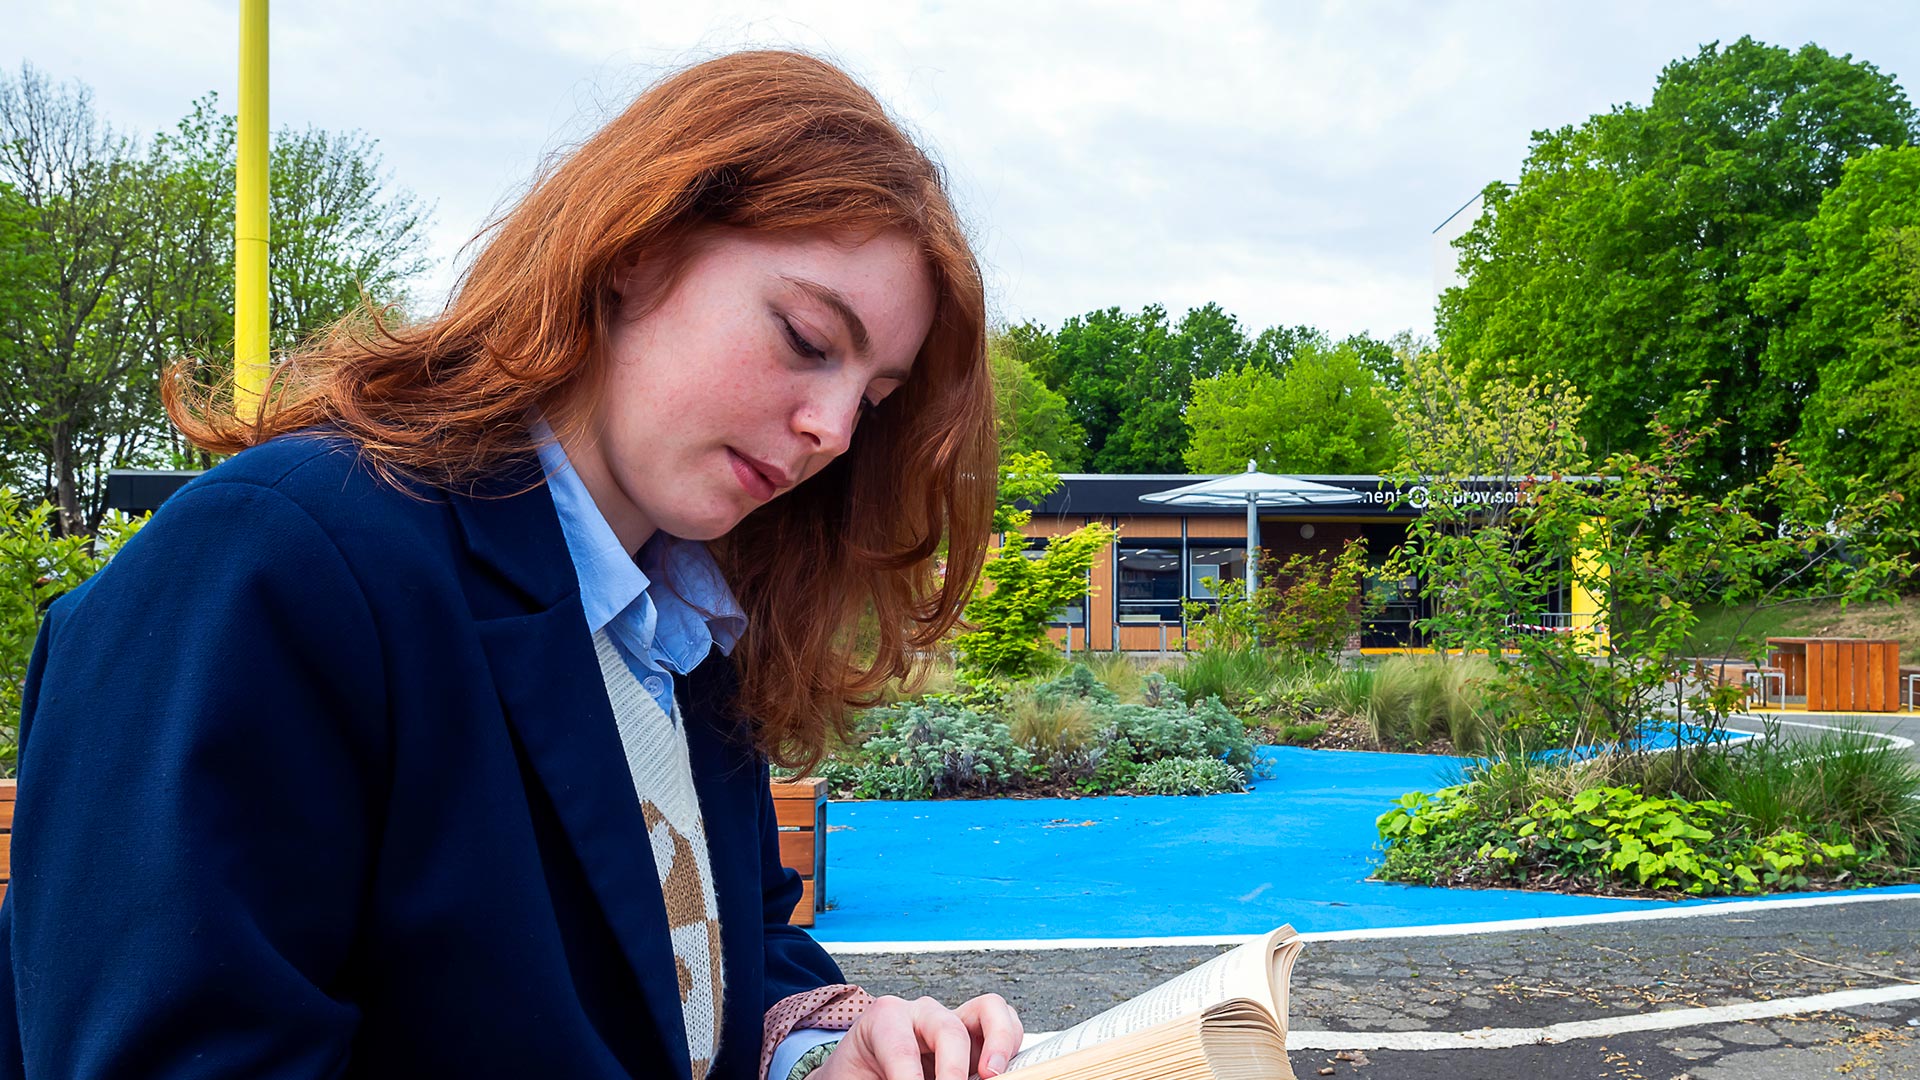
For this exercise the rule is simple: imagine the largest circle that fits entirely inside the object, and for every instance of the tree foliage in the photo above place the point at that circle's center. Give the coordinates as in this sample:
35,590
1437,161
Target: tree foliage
1632,256
1031,416
1320,414
38,564
1510,428
118,261
1018,594
1649,548
1857,324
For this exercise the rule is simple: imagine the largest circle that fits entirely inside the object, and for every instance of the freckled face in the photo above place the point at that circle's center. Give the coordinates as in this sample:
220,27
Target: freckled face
749,377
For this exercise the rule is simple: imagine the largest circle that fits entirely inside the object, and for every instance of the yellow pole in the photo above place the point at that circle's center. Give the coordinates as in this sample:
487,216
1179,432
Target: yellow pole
250,359
1590,576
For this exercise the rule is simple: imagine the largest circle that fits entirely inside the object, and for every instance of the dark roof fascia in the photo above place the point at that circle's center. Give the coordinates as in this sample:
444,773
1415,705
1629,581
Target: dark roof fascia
1100,494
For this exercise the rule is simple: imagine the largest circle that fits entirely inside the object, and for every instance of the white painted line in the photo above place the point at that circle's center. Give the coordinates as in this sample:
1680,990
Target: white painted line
1731,907
1501,1038
1900,742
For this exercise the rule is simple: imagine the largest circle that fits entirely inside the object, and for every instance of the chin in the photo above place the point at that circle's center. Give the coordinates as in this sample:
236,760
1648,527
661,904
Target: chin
706,526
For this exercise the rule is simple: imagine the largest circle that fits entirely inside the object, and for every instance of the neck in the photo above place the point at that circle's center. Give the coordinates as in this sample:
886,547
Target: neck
630,526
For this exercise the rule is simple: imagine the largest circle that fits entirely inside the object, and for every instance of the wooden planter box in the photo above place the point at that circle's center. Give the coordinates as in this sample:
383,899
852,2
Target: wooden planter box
8,788
801,808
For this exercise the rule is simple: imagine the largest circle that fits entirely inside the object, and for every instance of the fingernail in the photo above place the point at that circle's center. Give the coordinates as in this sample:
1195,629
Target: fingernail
996,1065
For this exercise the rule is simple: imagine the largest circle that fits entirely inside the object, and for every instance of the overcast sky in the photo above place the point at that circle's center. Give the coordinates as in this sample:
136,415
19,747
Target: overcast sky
1288,161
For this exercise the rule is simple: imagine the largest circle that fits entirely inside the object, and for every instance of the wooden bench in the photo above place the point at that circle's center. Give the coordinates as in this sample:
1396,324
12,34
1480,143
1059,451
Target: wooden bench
800,806
1840,674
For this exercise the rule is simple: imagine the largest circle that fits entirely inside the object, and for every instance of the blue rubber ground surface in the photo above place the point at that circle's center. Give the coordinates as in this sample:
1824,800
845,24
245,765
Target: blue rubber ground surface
1296,849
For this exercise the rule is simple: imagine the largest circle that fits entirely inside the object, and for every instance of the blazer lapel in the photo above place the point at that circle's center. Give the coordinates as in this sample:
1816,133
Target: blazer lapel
534,631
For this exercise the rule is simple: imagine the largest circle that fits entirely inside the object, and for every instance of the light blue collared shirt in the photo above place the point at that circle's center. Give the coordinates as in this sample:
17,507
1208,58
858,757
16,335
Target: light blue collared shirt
655,630
665,609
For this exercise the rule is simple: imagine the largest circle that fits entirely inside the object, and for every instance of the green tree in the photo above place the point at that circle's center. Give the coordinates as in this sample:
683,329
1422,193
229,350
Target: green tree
1030,415
1320,415
1018,593
1501,428
1128,377
1855,301
76,209
1650,549
120,261
1629,256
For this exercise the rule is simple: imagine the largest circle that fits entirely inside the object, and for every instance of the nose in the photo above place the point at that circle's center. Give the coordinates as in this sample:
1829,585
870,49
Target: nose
827,419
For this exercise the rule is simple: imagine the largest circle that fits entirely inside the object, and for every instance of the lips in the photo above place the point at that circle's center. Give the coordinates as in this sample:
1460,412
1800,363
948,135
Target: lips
761,480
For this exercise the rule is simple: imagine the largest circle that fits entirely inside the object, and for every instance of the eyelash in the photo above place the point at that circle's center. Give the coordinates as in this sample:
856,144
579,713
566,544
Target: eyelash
807,350
800,344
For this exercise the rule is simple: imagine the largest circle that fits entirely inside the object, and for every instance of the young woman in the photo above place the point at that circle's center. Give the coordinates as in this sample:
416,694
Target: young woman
428,734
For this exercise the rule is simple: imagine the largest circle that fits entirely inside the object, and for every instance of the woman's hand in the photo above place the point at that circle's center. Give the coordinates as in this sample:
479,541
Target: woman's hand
924,1040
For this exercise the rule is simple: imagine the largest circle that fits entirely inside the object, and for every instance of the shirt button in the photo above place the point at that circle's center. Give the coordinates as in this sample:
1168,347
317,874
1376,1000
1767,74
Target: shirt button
652,685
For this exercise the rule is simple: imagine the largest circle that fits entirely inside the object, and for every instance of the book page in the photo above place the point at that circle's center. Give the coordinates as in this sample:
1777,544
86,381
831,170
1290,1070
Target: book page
1247,972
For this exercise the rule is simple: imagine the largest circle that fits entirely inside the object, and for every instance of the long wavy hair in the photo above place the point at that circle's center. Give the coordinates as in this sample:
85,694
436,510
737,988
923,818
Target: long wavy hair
840,578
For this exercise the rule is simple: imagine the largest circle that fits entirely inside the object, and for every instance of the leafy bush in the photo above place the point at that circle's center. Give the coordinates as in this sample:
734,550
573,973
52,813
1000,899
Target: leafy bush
36,568
1018,595
875,781
949,749
1070,729
1308,604
1189,776
1839,783
1178,731
1603,837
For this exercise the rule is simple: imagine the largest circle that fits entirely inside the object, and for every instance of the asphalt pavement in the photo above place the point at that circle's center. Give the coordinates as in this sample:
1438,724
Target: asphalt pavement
1829,987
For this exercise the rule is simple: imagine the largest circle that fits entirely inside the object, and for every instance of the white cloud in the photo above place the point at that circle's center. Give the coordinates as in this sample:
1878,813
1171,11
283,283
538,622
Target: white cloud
1285,160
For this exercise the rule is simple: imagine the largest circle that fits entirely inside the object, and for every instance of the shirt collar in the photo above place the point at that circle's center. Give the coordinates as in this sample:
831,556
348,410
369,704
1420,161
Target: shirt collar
671,603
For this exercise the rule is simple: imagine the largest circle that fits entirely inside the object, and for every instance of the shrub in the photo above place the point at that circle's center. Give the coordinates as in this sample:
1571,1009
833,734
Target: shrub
1189,776
877,781
948,748
1017,595
1410,699
1602,837
1309,605
1177,731
36,568
1236,676
1074,684
1842,783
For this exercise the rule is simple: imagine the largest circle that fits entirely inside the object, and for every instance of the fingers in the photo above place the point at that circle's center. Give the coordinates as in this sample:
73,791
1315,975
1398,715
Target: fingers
915,1040
943,1035
994,1030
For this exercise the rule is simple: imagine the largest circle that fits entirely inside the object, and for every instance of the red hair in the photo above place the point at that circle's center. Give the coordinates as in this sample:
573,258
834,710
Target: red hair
773,141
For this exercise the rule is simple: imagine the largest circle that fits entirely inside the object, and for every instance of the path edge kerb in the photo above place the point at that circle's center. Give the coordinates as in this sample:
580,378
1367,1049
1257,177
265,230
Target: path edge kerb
1693,910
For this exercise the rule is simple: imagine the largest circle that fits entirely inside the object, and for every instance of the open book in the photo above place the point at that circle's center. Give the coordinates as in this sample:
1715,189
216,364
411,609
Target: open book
1226,1018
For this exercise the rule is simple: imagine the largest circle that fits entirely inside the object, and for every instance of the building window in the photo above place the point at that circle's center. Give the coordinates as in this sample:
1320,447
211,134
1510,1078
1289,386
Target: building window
1149,583
1213,567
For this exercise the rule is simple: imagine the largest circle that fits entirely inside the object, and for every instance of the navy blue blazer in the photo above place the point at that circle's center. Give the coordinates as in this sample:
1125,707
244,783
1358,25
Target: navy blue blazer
319,778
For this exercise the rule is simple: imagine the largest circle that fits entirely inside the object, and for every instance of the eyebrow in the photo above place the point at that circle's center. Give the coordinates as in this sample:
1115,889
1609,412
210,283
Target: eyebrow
837,301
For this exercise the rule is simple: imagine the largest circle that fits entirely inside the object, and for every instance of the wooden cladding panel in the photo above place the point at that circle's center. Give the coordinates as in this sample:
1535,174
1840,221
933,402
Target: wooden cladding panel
1137,638
1843,677
1216,528
1150,527
1841,674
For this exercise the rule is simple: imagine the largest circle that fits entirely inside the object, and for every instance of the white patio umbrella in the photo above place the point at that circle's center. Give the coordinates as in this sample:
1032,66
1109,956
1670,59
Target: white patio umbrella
1253,489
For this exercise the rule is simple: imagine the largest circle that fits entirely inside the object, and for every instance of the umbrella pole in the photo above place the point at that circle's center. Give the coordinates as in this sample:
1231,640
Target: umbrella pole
1253,544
